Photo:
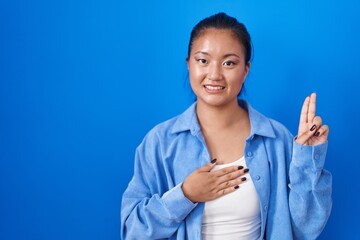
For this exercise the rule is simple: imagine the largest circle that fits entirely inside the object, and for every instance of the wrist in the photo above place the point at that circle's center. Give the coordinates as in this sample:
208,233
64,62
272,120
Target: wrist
186,193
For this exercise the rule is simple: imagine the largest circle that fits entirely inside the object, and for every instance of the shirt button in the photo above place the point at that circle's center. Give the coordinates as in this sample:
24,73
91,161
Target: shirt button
257,177
317,156
249,154
265,208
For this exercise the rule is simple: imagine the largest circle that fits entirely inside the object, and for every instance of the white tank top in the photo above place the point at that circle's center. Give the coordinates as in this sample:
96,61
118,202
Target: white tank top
235,215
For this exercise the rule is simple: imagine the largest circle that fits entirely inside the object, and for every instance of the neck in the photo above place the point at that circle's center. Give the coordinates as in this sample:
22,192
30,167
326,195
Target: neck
222,117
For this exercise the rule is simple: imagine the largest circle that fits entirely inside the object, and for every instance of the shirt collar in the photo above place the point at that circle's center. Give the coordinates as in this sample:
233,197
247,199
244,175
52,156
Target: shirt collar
187,121
259,124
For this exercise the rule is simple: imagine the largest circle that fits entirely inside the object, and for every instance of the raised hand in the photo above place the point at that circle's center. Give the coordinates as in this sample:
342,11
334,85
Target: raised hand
311,131
203,185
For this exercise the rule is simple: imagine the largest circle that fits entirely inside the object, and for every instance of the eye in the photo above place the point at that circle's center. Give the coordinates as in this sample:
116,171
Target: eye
202,61
229,63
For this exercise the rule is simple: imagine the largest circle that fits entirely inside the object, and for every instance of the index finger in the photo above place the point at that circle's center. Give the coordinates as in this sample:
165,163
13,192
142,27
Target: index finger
304,111
312,107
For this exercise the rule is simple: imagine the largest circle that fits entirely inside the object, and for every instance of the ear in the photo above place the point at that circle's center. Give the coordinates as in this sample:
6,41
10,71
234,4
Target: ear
246,72
247,69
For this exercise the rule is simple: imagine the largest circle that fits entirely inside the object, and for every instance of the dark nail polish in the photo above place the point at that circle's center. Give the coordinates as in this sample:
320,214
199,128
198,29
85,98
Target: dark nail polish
213,161
246,170
317,134
313,127
236,187
240,167
243,179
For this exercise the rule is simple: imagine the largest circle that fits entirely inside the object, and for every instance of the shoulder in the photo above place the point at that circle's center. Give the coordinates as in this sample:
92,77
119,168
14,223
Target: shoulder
279,128
165,128
276,138
265,126
173,127
283,137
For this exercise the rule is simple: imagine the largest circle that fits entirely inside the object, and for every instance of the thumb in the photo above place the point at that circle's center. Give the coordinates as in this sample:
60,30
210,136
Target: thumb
209,166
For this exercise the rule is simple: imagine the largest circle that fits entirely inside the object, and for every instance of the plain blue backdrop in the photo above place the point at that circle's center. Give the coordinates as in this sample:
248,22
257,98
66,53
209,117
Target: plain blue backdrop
81,83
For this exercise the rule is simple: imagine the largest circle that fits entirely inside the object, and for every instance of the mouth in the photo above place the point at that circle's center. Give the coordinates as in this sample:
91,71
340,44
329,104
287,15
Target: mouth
214,88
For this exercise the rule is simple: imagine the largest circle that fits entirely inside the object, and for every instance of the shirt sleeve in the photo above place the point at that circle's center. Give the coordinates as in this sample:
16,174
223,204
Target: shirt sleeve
150,210
310,190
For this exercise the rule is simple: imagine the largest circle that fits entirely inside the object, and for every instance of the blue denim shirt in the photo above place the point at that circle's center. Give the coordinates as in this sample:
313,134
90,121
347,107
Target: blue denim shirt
293,188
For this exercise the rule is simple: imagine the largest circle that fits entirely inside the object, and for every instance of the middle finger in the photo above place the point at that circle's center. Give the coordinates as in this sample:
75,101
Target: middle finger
232,175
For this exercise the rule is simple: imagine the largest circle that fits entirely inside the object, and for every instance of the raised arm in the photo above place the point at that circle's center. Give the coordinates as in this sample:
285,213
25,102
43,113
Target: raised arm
310,185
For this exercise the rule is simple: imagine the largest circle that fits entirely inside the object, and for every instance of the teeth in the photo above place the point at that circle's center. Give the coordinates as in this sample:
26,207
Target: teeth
214,87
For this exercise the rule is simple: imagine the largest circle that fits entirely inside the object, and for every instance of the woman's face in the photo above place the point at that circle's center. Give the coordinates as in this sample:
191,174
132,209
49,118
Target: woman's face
217,67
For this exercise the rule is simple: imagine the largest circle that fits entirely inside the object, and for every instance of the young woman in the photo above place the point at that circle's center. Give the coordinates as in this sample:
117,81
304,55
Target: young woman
222,170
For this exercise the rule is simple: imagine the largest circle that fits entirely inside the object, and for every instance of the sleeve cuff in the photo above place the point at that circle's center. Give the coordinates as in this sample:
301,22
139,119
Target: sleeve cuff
177,204
302,154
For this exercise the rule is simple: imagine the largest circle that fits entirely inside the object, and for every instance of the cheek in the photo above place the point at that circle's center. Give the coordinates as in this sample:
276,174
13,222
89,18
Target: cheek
237,80
196,74
192,76
241,76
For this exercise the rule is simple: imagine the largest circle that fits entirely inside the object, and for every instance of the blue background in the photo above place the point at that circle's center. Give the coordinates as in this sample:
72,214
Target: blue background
81,83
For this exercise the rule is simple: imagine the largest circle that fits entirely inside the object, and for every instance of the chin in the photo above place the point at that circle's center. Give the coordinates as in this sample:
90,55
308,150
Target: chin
216,102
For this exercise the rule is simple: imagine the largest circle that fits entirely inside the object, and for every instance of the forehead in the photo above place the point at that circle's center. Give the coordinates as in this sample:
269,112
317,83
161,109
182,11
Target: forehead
217,40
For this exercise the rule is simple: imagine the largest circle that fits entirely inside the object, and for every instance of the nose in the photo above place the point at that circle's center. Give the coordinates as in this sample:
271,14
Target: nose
215,72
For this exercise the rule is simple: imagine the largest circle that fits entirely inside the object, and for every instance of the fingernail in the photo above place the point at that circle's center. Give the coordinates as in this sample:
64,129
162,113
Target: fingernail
246,170
243,179
317,134
240,167
313,127
213,161
236,187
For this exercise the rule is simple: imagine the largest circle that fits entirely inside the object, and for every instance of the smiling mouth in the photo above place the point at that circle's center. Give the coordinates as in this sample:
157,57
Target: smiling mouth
213,88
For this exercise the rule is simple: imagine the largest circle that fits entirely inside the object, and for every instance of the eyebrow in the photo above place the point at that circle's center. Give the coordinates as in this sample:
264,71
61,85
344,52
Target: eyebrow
225,56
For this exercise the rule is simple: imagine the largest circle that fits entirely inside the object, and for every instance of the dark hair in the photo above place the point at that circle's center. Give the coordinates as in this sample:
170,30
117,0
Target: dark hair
223,21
